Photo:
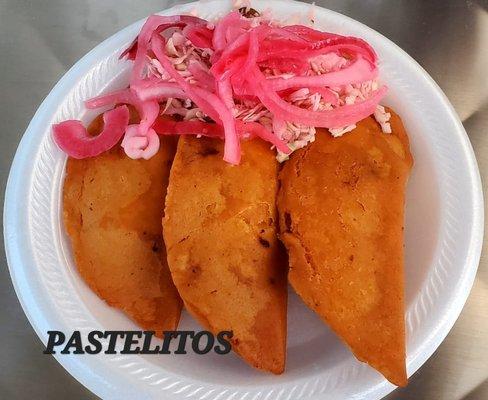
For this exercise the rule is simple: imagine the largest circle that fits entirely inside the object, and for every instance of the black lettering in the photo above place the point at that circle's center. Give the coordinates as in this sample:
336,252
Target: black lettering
226,346
133,344
56,338
167,336
75,342
93,339
146,347
112,336
130,340
195,344
182,344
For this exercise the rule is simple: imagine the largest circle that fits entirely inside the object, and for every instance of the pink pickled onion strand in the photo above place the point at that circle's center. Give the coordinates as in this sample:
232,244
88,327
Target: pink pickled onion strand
149,90
220,69
256,129
120,96
156,24
359,46
277,46
239,47
228,71
357,72
131,51
208,102
72,137
244,66
140,146
307,54
232,146
201,102
345,115
235,31
242,90
151,24
310,34
276,32
148,110
220,40
292,65
199,36
280,49
252,52
146,143
224,89
203,77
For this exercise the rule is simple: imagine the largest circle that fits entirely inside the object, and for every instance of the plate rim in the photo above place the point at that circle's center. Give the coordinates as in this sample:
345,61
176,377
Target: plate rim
76,367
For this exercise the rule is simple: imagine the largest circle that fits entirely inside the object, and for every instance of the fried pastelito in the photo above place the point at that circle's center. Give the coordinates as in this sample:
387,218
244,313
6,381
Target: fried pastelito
223,252
341,206
112,208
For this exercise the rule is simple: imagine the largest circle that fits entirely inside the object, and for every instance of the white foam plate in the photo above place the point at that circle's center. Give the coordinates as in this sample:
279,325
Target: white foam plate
444,229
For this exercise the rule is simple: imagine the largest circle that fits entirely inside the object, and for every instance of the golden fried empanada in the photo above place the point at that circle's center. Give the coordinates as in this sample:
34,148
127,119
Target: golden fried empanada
113,208
223,252
341,207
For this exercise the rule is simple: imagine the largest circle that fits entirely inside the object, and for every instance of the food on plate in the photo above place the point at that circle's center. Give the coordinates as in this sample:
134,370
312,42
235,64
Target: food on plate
248,77
223,252
341,207
112,208
244,93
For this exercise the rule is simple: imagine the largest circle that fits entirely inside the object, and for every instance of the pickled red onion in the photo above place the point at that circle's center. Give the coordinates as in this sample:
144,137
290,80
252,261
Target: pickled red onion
220,37
359,71
255,129
72,137
147,108
140,146
210,103
202,76
130,52
199,36
156,23
342,116
158,91
190,90
250,76
309,34
121,96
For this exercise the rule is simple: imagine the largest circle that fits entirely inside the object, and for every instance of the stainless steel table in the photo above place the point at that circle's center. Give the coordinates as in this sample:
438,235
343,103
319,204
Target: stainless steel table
41,39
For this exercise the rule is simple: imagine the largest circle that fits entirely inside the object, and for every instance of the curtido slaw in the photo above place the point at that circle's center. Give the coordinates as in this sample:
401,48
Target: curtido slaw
239,77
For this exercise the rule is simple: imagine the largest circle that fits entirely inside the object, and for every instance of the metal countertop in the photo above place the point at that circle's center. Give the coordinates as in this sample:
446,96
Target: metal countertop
40,40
